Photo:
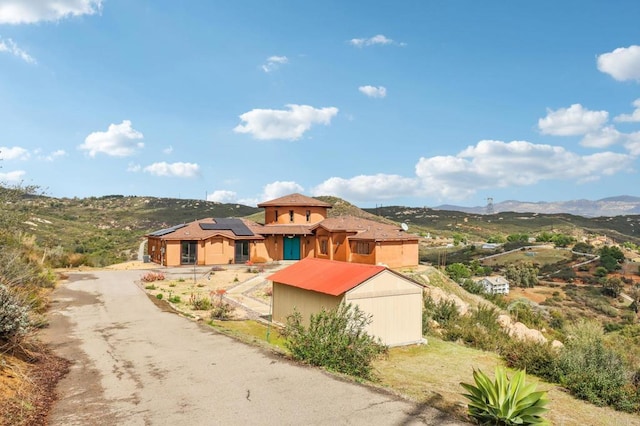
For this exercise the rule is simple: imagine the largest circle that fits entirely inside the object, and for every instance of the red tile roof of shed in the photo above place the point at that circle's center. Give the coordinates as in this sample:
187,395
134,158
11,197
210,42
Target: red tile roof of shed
325,276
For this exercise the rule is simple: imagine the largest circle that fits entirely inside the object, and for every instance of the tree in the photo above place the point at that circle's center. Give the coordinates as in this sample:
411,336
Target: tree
611,257
520,238
612,286
562,240
522,275
583,248
458,272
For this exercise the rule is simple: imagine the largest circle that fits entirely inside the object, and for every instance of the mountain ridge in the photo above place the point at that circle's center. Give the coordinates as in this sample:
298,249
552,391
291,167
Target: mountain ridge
621,205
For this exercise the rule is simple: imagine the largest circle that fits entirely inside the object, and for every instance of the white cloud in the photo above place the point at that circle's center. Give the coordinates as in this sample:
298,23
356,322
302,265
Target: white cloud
602,138
53,156
375,40
273,63
120,140
487,165
288,124
279,189
134,168
361,188
571,121
632,143
223,196
9,46
15,176
182,170
622,64
373,91
32,11
13,153
167,150
633,117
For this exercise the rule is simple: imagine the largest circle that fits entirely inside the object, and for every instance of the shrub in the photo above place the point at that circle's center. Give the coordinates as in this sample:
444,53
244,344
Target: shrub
505,402
152,276
334,339
14,317
594,372
536,358
159,296
150,287
174,299
200,303
221,310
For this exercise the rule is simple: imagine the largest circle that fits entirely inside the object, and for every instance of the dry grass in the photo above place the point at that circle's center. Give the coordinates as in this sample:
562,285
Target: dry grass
539,256
432,373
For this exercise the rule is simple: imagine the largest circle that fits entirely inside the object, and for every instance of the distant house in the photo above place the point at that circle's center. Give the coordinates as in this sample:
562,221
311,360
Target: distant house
495,284
296,227
393,300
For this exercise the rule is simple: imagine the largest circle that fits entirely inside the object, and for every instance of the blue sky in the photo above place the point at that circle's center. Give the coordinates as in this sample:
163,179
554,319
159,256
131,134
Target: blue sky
415,103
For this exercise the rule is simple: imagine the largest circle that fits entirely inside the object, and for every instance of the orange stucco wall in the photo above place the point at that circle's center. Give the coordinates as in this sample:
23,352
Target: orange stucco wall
397,254
317,214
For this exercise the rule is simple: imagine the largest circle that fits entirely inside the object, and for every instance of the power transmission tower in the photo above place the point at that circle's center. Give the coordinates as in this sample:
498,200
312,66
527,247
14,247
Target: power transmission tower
490,205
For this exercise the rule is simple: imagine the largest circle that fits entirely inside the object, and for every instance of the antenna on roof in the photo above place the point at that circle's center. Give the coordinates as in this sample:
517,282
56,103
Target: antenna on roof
404,227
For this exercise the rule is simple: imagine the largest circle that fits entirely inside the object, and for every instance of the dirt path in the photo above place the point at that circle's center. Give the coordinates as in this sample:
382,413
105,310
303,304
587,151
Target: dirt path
134,364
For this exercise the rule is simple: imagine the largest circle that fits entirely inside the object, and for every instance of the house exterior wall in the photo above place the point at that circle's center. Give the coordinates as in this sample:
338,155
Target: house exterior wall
395,305
397,254
154,249
216,251
172,253
316,214
287,298
337,245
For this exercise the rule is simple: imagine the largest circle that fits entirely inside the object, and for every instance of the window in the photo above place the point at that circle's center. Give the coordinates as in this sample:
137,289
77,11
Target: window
276,215
290,215
324,247
363,247
308,214
188,251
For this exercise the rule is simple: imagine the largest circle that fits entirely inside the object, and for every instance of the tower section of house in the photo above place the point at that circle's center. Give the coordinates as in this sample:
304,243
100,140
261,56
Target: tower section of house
287,226
393,300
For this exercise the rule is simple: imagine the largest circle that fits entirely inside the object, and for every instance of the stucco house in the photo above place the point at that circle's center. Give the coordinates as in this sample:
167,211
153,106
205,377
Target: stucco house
495,284
393,300
296,227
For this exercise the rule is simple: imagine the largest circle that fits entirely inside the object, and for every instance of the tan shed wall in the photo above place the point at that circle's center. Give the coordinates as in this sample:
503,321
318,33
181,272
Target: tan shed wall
395,305
287,298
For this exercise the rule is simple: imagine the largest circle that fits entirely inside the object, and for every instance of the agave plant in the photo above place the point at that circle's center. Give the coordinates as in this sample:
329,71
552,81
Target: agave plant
505,402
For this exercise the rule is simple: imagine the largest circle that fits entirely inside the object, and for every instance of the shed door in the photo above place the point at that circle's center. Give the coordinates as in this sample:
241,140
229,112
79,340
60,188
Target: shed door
291,248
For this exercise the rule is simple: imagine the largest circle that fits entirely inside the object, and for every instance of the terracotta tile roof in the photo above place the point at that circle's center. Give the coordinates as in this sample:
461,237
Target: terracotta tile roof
193,231
365,229
325,276
295,200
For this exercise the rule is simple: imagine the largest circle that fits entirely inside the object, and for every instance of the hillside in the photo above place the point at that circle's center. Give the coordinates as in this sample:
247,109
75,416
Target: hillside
109,229
478,227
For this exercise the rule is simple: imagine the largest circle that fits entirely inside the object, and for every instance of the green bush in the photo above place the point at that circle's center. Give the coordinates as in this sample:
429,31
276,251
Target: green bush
335,339
14,318
200,303
505,402
159,296
539,359
594,372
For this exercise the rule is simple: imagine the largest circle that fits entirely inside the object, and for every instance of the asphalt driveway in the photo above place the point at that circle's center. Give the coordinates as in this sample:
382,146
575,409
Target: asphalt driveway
134,364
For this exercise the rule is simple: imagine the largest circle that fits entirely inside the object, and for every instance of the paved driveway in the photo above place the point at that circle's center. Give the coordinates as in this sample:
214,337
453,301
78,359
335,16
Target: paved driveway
134,364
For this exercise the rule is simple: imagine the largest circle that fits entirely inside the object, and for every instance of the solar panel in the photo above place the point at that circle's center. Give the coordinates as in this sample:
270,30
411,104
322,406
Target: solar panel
166,231
228,224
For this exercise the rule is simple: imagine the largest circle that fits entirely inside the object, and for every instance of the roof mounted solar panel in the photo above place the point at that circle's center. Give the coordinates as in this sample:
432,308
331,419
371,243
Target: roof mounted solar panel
166,231
236,226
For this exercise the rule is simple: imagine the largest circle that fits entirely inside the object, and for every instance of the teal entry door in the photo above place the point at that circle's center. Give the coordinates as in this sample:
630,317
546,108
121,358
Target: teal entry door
291,248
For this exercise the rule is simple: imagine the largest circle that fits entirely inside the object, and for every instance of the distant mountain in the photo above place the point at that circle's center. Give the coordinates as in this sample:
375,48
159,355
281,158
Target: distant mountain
623,205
